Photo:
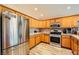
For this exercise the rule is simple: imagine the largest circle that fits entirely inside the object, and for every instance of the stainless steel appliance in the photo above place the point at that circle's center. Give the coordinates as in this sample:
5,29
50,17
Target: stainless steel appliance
0,33
55,33
78,27
14,34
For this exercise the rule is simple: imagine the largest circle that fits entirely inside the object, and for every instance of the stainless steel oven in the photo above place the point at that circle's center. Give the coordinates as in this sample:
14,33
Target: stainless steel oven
55,33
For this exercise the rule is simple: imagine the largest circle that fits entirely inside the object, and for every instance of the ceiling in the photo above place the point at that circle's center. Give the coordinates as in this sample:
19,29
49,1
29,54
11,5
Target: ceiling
46,11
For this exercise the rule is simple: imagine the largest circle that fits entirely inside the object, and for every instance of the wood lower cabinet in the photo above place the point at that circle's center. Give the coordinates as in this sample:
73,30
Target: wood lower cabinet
65,42
72,44
37,39
42,37
32,42
78,47
75,45
46,38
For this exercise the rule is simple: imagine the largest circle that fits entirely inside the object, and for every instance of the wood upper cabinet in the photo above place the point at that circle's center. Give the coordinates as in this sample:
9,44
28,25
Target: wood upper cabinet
68,21
0,8
33,23
74,21
65,42
75,45
65,22
52,21
31,42
40,23
44,24
47,24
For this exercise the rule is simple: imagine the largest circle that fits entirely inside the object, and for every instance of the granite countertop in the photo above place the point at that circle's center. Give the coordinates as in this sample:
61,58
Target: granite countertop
73,35
38,33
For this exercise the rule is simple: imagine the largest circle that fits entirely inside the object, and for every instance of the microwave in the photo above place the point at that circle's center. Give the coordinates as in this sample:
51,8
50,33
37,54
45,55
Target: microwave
55,25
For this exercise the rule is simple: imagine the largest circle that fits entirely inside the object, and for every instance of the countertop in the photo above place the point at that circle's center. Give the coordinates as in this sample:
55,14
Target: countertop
38,33
73,35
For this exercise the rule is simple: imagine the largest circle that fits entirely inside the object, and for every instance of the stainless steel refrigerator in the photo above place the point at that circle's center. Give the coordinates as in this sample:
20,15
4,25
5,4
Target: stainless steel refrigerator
15,34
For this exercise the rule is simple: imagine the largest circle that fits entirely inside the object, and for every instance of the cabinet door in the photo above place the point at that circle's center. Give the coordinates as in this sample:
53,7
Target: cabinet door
72,42
37,38
32,42
46,37
42,37
47,24
66,41
78,47
33,23
75,47
74,21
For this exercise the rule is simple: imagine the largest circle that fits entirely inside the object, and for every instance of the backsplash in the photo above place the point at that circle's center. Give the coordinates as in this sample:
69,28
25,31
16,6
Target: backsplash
39,30
45,30
33,30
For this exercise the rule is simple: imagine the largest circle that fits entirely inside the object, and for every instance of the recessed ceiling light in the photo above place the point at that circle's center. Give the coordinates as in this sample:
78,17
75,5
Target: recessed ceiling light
42,15
35,9
69,7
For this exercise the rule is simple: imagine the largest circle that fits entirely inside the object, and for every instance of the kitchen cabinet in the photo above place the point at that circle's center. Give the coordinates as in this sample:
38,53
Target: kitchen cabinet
74,21
44,24
47,24
72,43
42,37
59,21
75,46
52,21
68,21
40,23
78,47
37,39
33,23
32,42
46,38
65,42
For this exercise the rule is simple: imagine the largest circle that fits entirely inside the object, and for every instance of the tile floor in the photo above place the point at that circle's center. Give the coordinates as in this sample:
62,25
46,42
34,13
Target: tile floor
52,49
